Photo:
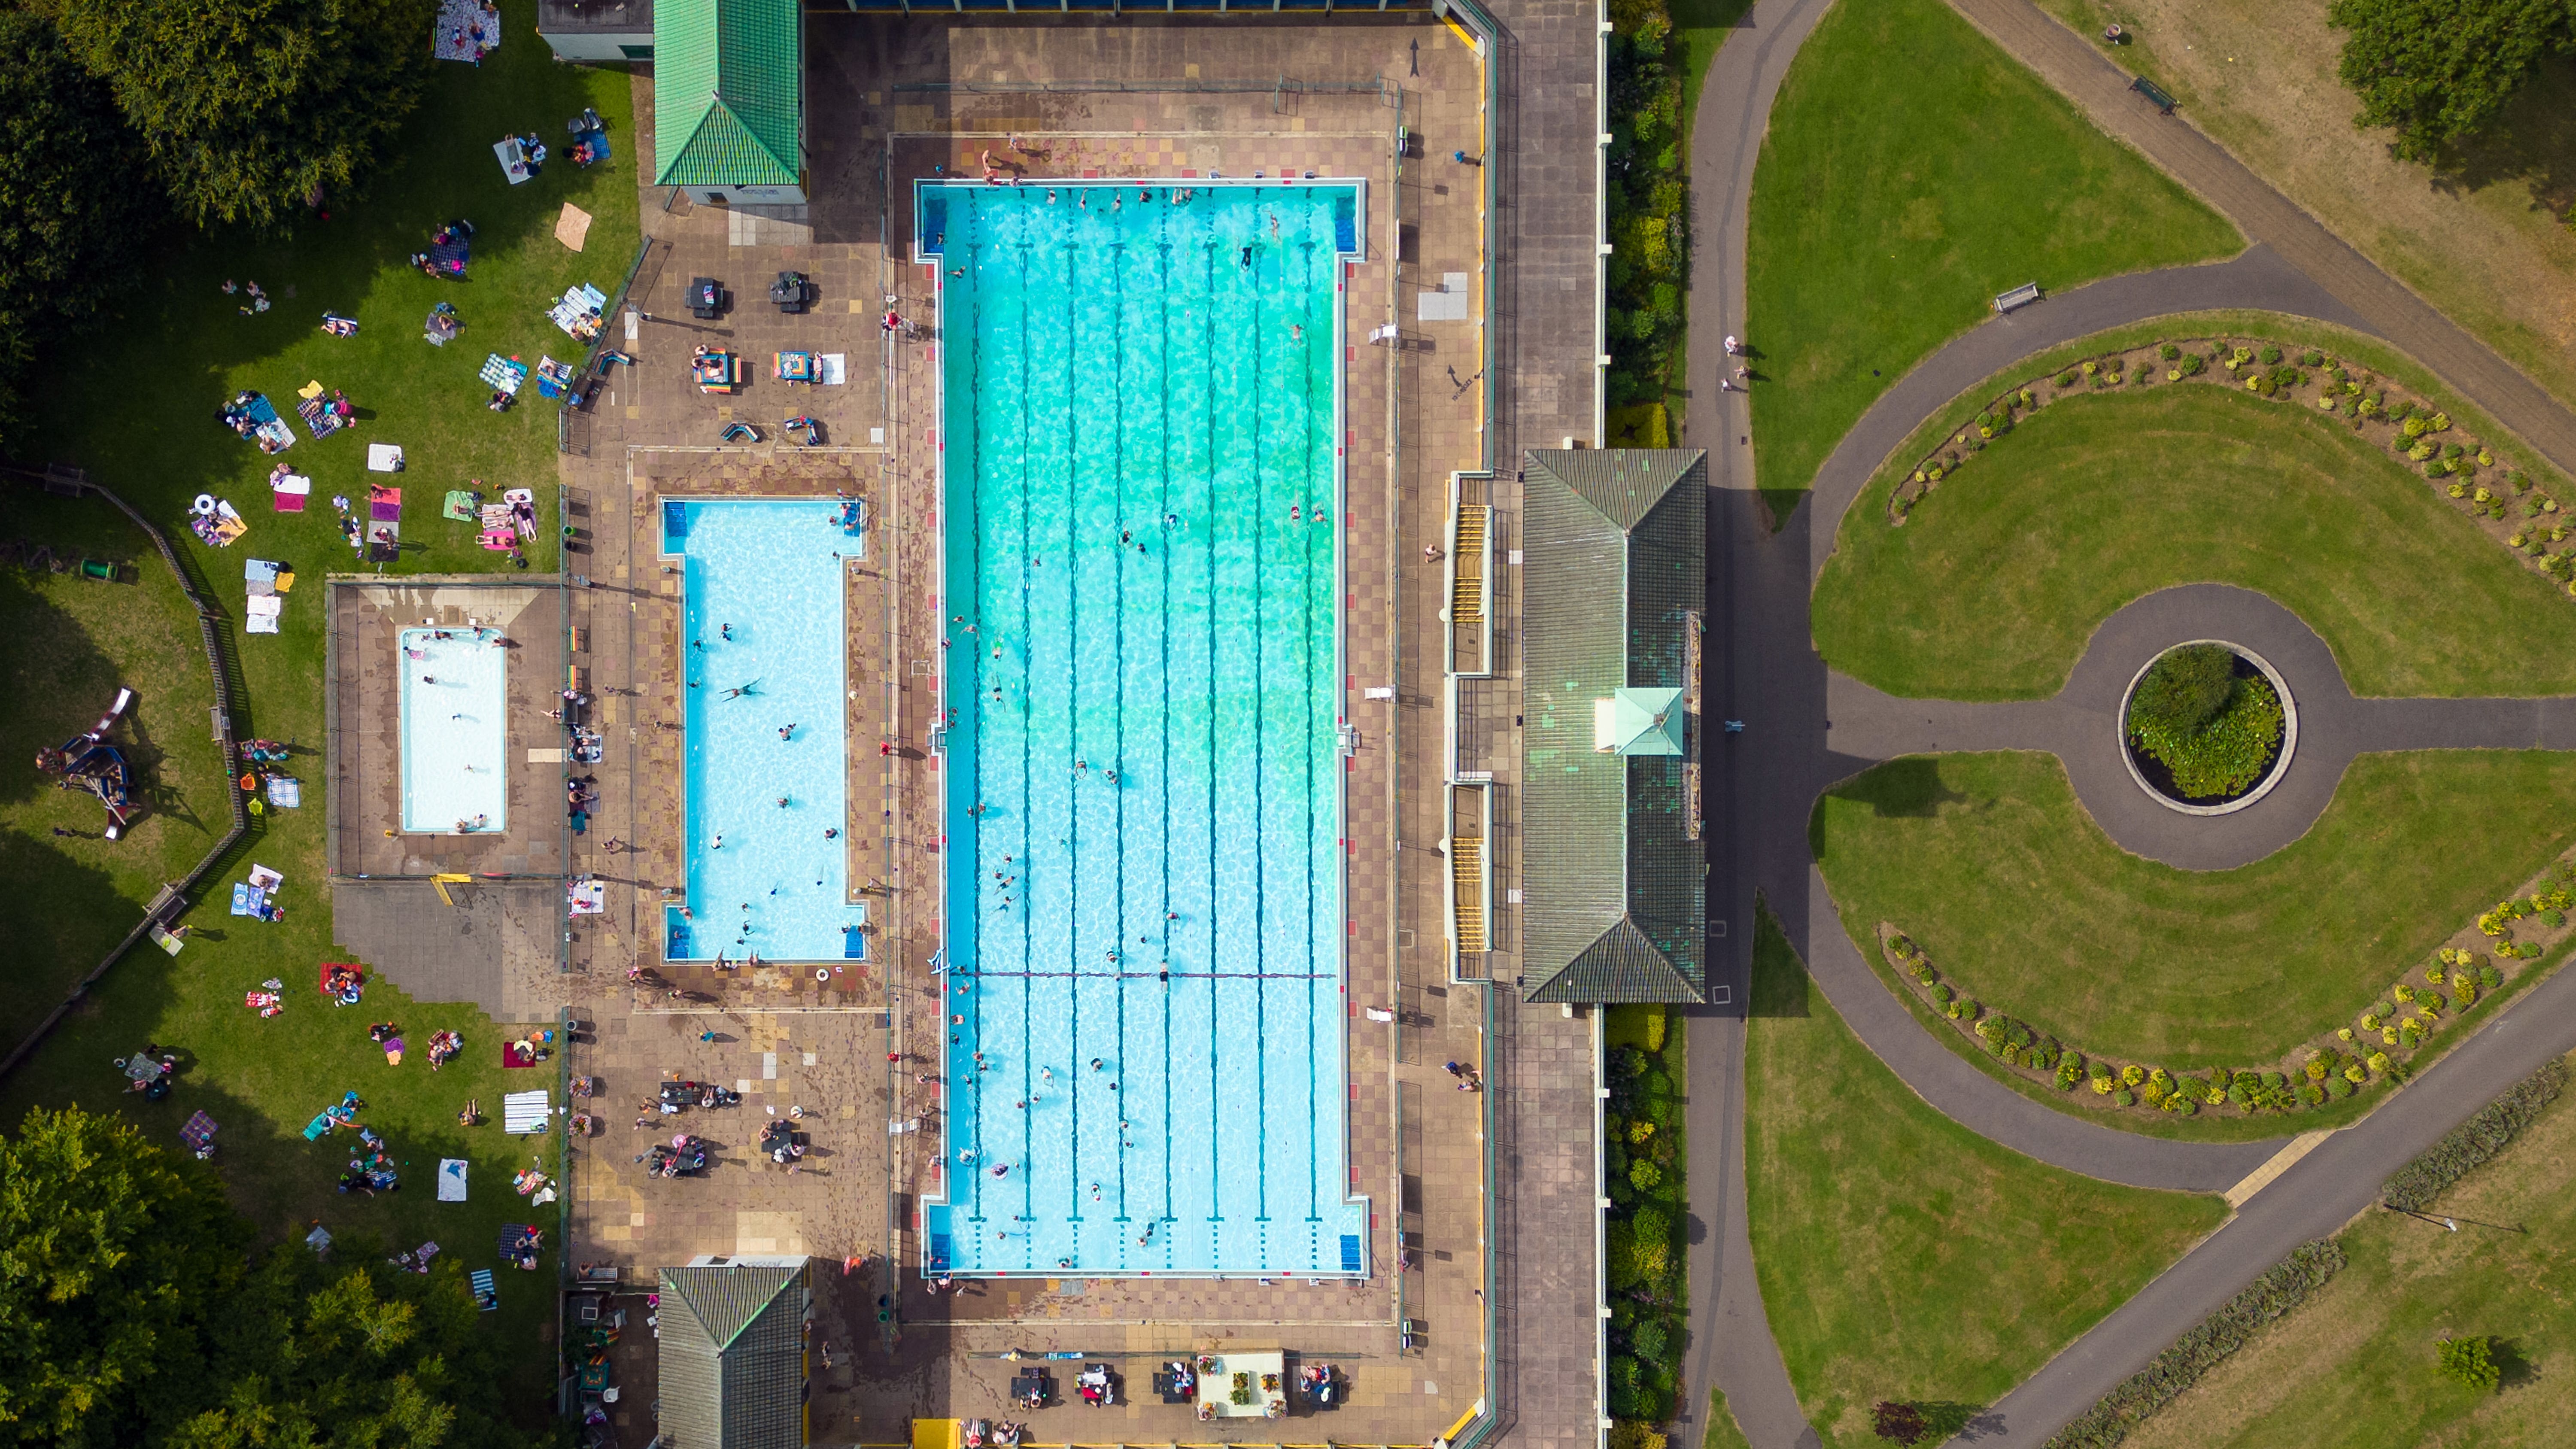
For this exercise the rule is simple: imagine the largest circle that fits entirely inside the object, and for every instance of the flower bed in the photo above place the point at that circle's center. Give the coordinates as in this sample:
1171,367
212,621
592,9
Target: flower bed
2462,469
2384,1042
1643,1172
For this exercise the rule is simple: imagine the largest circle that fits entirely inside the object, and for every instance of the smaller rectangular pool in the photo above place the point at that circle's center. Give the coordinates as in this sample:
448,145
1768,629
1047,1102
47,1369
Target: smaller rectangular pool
455,731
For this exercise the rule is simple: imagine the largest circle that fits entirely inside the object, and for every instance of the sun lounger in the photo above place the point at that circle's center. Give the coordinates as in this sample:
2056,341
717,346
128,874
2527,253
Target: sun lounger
318,1128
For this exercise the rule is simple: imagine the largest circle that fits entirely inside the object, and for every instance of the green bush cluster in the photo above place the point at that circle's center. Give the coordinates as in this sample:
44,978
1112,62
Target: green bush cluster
2469,1361
1644,1171
2474,1141
1648,203
2284,1287
2211,751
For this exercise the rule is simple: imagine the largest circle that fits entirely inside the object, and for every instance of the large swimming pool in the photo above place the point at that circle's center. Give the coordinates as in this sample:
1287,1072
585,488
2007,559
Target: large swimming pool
455,730
1142,473
767,774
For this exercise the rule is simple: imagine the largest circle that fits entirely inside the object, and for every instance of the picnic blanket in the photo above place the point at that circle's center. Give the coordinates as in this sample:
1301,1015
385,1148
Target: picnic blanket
504,374
384,457
451,1179
589,147
259,576
553,377
261,614
525,1111
573,227
273,436
578,312
514,159
459,505
517,1054
384,504
250,900
468,30
383,542
484,1293
588,898
440,325
285,792
287,492
450,258
199,1130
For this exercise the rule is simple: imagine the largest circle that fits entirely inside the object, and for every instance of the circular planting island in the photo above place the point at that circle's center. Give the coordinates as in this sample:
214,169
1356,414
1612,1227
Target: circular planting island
2207,727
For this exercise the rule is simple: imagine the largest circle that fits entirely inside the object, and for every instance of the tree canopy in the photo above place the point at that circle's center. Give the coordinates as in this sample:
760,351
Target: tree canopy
253,108
134,1313
2437,71
65,227
115,1263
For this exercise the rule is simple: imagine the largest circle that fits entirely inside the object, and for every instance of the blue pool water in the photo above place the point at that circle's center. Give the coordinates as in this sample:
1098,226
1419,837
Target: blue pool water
762,877
455,730
1145,906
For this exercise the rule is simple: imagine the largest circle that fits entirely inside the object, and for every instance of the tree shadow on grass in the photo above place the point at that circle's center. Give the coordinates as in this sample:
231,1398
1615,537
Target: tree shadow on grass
2533,142
79,916
1907,788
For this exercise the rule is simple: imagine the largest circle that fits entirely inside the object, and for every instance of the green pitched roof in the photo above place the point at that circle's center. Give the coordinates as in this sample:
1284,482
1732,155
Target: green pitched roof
1615,905
728,92
733,1355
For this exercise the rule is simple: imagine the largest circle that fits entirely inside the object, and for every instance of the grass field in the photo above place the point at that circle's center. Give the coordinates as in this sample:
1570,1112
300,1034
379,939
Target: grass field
1997,581
1901,1255
1994,869
183,348
2352,1368
2483,236
1912,172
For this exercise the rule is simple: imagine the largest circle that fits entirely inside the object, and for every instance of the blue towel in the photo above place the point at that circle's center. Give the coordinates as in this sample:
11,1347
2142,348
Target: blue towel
598,144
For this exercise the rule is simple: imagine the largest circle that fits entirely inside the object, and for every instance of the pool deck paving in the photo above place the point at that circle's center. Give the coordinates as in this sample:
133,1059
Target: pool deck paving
1415,1143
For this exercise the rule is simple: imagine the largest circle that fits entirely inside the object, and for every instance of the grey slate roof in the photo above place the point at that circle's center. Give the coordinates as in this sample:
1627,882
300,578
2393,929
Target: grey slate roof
1615,892
733,1356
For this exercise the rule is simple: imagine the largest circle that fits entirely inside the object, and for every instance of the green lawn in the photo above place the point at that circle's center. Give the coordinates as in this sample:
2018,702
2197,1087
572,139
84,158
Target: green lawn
1901,1255
1912,172
180,349
2353,1367
1994,869
1997,581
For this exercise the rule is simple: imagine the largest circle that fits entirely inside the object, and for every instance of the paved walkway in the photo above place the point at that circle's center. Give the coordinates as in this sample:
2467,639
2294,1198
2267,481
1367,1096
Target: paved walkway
1810,728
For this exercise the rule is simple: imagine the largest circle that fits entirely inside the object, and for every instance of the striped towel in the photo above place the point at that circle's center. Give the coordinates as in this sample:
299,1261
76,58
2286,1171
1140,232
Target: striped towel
525,1111
485,1294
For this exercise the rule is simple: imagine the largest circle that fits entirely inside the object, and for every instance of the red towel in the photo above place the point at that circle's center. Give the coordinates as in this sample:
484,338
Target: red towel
516,1054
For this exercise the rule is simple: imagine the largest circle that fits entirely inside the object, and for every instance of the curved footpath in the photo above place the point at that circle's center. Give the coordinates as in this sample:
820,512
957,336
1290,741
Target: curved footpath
1809,728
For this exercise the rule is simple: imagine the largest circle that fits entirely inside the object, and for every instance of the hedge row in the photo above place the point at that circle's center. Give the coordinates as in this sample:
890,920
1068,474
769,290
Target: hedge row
2416,433
2474,1141
2284,1287
1647,1265
1648,205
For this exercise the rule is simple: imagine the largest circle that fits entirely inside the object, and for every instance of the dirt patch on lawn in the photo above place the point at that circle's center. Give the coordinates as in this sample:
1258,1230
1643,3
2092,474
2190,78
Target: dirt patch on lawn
2483,236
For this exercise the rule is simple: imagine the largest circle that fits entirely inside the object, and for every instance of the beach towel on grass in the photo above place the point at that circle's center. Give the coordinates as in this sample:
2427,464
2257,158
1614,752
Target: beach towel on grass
524,1111
451,1179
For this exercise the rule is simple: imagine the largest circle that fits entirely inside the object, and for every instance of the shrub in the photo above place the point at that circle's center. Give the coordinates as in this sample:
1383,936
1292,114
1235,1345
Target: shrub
2105,1086
1942,993
2356,1074
2337,1088
1645,1175
2469,1361
2240,1094
1899,1423
2312,1095
2152,1093
2124,1098
1924,973
2271,355
2201,1349
2215,733
2317,1068
1629,1434
2168,352
1901,944
2066,378
2474,1141
1649,1341
2312,358
2132,1074
2489,976
2067,1072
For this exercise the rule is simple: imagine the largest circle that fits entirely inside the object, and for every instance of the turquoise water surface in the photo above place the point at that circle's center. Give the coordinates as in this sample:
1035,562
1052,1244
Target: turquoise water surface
1145,906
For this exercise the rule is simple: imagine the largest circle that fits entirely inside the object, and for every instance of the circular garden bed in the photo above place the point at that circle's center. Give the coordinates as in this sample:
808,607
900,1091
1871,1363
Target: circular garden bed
2207,727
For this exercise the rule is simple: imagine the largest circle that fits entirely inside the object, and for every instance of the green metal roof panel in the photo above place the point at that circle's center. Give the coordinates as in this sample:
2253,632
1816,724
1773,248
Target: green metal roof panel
1616,890
1640,722
728,92
733,1356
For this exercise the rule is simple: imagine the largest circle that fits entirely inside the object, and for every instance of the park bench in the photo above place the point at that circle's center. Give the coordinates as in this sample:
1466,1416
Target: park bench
2021,296
2163,99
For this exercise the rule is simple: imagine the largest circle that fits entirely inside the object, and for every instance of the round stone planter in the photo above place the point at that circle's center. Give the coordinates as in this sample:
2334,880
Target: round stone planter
2150,774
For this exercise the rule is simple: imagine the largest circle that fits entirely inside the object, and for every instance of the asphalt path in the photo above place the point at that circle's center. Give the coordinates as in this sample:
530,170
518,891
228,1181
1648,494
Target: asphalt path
1808,728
